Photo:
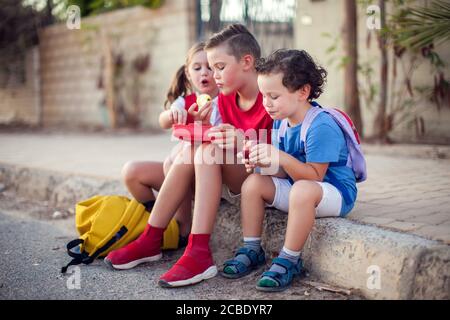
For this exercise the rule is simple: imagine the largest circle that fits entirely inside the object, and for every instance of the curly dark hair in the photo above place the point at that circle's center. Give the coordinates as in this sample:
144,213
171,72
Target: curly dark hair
298,69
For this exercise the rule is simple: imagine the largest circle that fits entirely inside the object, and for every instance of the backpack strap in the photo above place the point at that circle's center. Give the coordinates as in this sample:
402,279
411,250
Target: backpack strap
84,257
282,129
306,124
309,118
78,257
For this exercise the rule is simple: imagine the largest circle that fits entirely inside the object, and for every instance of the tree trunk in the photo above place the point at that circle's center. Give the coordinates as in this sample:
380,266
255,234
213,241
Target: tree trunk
215,6
380,125
351,67
49,19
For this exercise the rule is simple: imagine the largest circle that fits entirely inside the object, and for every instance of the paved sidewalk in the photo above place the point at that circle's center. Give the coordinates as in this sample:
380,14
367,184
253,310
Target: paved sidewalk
404,191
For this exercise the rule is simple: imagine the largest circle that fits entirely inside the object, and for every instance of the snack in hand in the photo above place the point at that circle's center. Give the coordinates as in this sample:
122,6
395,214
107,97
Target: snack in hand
203,99
192,132
246,152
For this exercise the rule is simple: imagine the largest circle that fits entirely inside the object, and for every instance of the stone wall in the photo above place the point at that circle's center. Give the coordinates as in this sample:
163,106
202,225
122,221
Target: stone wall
68,64
20,103
71,62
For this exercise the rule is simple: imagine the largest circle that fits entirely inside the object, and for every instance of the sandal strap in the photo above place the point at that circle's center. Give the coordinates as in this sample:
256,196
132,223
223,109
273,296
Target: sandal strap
240,266
276,276
252,255
283,279
285,263
255,259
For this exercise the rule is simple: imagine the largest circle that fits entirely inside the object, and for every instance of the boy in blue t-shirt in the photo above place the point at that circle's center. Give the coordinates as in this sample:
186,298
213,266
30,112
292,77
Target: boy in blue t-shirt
308,183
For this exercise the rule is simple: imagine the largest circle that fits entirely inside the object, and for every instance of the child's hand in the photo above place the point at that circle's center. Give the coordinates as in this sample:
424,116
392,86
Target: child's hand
203,114
178,116
248,166
245,155
264,155
226,136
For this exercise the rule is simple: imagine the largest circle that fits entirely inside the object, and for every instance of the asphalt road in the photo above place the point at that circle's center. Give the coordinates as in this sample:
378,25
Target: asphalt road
33,251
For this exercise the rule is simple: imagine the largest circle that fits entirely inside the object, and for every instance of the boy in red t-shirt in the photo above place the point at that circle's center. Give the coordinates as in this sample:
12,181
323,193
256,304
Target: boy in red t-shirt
231,54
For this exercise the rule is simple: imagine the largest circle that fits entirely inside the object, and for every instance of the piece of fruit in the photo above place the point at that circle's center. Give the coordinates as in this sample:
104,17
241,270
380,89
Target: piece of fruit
246,154
246,149
203,99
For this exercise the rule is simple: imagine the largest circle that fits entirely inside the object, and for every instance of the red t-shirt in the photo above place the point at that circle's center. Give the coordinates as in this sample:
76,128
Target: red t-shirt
255,118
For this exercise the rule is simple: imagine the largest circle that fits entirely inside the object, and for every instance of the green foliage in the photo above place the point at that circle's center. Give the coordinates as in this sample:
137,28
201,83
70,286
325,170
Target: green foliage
411,33
18,32
367,89
418,30
93,7
418,27
332,51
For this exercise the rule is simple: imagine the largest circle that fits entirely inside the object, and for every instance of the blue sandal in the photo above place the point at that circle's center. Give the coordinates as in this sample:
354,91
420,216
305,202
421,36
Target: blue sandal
275,281
256,260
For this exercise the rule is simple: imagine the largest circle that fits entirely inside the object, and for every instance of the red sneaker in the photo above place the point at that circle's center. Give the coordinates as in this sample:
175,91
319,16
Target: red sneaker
146,248
195,265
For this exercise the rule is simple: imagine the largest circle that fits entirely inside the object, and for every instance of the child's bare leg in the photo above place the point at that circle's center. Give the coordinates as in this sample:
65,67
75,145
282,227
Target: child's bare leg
184,213
172,156
303,200
197,263
140,177
166,165
257,190
147,247
175,193
208,184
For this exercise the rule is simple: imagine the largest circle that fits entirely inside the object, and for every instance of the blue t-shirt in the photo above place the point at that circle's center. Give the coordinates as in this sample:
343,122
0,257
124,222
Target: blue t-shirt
325,144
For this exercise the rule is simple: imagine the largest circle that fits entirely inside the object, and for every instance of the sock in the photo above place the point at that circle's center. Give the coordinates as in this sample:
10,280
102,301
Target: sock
198,247
287,254
149,242
149,205
146,245
252,243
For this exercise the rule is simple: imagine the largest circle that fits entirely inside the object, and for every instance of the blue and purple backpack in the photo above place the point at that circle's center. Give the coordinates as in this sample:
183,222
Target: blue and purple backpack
355,159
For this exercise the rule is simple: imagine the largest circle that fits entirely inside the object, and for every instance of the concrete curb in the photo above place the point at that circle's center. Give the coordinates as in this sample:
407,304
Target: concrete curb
378,263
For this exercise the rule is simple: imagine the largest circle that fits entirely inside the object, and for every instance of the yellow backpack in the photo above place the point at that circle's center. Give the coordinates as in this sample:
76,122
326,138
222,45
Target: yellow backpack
106,223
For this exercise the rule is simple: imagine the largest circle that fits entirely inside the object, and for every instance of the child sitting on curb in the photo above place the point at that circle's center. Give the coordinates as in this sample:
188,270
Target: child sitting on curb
231,54
313,179
142,177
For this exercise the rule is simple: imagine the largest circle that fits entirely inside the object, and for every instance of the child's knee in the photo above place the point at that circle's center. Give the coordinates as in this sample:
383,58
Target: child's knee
305,191
252,185
130,171
167,164
186,155
188,152
207,154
